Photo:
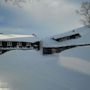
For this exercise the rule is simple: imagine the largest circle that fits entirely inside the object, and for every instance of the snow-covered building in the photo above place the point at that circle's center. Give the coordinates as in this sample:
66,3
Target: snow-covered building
49,45
18,42
71,39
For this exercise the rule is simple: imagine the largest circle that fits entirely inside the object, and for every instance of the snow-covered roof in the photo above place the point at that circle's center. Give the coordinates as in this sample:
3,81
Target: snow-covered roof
64,34
16,37
81,30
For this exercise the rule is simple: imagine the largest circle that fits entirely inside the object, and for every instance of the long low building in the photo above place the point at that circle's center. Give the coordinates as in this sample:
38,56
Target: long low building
49,45
18,42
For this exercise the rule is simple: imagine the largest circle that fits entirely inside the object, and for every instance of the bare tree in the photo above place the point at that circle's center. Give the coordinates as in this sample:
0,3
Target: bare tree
85,13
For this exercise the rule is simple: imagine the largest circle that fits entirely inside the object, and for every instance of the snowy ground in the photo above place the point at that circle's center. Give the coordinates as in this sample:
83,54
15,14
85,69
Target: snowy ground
30,70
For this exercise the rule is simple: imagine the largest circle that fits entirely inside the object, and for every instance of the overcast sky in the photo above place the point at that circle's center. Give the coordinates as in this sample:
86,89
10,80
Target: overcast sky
43,17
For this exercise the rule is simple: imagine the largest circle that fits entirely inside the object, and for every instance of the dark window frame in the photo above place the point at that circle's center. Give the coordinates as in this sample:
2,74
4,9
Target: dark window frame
74,36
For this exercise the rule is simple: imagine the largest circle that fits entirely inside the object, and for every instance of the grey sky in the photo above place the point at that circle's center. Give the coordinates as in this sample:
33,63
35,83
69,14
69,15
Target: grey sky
45,16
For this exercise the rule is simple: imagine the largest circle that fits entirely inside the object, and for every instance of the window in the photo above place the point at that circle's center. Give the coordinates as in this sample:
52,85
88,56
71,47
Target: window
9,43
19,44
28,44
74,36
50,50
0,43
